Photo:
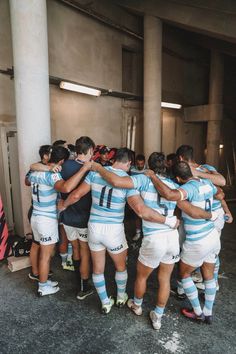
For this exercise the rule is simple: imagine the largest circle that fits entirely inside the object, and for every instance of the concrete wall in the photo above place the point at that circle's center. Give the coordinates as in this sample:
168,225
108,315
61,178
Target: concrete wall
176,132
84,50
88,52
185,69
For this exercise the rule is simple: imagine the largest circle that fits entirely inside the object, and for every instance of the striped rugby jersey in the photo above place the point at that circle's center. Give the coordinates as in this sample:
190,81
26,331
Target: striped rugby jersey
154,201
108,203
44,195
216,203
199,193
134,171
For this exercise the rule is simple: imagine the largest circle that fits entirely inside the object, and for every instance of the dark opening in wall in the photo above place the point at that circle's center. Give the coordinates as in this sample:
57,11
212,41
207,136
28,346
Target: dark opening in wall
127,70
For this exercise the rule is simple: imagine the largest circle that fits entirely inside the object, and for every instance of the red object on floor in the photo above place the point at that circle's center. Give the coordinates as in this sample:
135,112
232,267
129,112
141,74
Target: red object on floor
4,247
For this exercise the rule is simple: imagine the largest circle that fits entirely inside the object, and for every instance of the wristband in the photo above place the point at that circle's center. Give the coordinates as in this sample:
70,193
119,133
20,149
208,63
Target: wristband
171,221
214,215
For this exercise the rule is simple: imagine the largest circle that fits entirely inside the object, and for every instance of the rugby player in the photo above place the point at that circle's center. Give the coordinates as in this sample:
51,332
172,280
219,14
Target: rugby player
202,244
106,229
44,222
186,153
75,218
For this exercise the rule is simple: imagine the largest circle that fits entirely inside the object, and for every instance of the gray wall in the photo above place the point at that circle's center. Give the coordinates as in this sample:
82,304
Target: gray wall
84,50
88,52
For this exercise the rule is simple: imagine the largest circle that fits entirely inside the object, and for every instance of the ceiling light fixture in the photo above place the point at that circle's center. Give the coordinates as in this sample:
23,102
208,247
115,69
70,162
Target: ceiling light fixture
171,105
79,88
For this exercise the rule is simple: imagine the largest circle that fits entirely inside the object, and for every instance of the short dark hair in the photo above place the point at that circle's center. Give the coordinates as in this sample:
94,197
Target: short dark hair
124,155
59,153
140,157
182,170
156,162
185,151
172,156
44,150
71,147
59,143
83,144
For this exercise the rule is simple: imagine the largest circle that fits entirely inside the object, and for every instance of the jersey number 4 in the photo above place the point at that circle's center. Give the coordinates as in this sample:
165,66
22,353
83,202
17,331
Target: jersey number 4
162,205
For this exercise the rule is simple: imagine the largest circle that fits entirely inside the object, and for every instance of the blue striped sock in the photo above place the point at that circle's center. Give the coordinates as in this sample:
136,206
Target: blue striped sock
138,302
121,281
159,311
192,294
99,283
210,294
216,269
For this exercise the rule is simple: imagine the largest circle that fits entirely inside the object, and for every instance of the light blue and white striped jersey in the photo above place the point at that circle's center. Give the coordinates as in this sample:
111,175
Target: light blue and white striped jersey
108,203
199,193
216,203
134,171
154,201
44,195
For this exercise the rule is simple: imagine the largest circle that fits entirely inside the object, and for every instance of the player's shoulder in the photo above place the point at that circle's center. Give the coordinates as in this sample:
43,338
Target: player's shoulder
119,172
209,167
71,164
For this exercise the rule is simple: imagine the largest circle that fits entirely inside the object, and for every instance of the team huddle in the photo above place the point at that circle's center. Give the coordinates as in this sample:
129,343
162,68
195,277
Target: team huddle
182,213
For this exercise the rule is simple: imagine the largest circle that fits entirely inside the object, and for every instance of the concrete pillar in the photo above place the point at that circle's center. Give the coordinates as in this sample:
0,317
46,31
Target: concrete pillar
216,115
152,84
30,56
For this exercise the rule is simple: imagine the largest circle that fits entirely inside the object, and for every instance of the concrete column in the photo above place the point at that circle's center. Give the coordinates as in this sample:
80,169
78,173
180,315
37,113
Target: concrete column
30,56
215,115
152,84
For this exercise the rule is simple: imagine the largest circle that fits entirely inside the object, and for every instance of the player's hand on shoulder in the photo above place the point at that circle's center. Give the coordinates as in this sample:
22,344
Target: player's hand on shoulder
149,173
95,166
56,168
87,165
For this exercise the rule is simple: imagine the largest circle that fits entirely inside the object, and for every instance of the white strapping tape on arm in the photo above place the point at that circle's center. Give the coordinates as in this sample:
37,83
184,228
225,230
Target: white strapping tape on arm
181,195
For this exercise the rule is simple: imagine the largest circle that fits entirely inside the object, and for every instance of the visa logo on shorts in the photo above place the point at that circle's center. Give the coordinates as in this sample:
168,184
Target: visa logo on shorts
117,248
83,235
46,239
175,257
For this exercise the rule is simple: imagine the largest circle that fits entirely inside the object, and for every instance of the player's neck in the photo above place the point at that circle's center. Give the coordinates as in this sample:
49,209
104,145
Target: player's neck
82,158
119,166
192,163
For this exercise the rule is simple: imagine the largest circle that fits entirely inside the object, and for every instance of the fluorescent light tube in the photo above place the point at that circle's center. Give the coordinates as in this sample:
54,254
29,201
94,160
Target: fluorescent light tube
79,88
170,105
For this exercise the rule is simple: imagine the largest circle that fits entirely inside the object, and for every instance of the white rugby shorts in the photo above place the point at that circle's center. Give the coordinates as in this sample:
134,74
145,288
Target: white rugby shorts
76,233
107,236
45,229
220,221
206,250
162,247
